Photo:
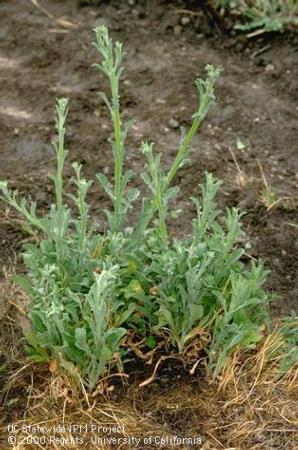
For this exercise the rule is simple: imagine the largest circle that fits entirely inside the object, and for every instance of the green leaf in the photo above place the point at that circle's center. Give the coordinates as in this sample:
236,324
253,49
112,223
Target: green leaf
24,283
132,195
113,337
81,340
106,185
151,341
196,312
123,316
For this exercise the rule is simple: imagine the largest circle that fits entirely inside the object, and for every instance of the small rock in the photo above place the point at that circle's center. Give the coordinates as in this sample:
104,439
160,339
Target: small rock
200,36
269,68
41,197
131,2
177,30
240,46
229,43
136,13
185,21
173,123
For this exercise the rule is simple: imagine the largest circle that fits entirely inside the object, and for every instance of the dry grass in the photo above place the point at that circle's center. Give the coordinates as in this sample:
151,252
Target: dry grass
249,407
11,301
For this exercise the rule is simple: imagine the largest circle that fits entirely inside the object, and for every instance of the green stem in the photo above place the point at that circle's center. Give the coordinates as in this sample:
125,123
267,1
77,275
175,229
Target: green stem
118,152
59,178
182,152
162,220
60,150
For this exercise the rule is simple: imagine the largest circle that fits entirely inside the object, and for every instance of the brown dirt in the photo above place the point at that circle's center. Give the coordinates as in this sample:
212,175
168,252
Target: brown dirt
256,102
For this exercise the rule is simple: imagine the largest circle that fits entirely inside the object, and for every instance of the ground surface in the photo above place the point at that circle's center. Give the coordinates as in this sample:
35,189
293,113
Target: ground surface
42,57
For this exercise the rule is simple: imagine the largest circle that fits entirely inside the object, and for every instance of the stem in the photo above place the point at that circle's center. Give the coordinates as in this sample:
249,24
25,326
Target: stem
182,151
59,179
118,152
83,222
162,219
156,186
61,109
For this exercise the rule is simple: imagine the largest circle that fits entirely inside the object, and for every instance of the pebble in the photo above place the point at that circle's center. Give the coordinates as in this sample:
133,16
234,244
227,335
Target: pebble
240,46
136,13
185,21
200,36
41,197
269,68
177,30
173,123
131,2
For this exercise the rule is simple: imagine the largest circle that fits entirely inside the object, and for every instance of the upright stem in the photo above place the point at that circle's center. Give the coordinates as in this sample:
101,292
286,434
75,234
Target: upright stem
162,220
182,151
59,179
60,150
111,67
118,152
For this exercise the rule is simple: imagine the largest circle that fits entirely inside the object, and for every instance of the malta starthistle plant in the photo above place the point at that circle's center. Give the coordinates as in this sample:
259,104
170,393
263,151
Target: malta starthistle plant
90,292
